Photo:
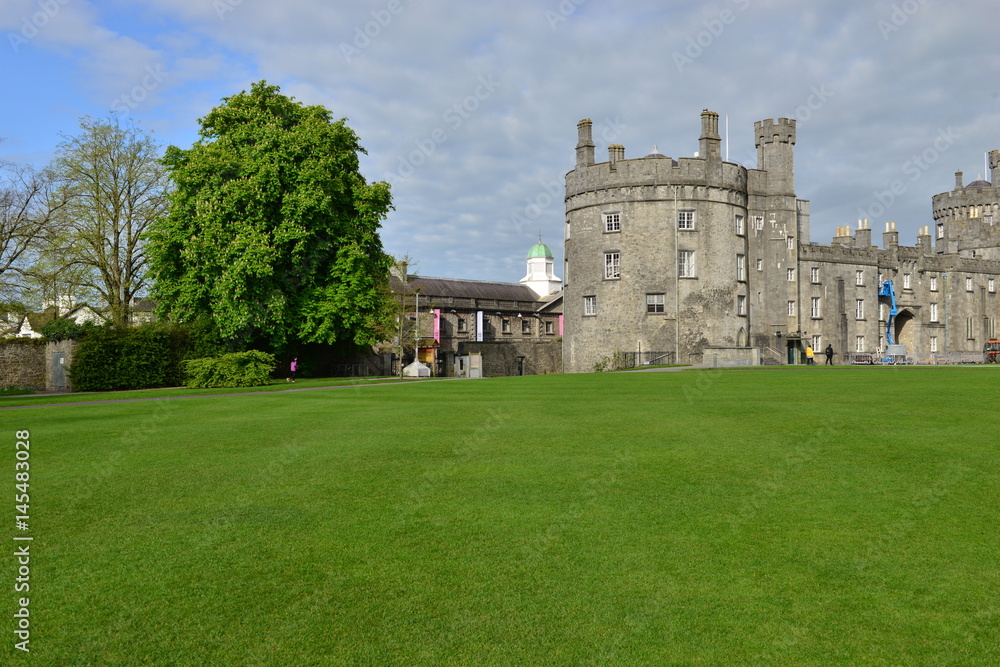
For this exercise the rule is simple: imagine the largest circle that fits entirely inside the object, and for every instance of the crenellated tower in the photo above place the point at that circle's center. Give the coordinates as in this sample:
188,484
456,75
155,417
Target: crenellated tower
775,141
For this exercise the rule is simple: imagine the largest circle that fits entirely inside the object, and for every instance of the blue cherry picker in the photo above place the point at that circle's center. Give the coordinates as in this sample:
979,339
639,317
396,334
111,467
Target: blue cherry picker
892,356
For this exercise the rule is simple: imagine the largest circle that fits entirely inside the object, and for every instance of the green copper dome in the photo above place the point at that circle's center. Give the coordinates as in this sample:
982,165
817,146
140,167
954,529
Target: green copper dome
540,250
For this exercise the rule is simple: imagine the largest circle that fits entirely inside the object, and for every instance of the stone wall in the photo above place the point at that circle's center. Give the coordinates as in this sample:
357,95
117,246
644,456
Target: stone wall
541,357
22,364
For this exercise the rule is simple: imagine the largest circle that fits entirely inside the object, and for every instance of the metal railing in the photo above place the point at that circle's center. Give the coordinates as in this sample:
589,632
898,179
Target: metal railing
960,358
648,358
351,370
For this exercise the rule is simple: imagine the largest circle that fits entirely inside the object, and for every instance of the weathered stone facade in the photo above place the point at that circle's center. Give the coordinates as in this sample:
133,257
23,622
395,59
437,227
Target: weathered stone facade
517,357
516,327
693,253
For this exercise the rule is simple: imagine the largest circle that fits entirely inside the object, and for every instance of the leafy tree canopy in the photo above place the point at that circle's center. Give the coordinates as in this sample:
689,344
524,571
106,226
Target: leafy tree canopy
272,230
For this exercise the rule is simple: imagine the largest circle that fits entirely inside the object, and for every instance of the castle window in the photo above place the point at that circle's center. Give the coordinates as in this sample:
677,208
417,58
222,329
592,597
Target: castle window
685,219
685,264
612,269
933,281
991,325
968,284
906,281
817,343
859,278
790,275
934,312
550,328
760,265
505,325
612,222
741,304
940,230
791,309
791,242
988,220
739,225
758,222
590,305
969,329
741,267
654,303
814,274
991,285
859,343
859,309
463,325
934,347
526,326
814,311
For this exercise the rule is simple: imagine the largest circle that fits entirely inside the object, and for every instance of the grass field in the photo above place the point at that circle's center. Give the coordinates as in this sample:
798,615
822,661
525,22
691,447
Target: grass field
797,516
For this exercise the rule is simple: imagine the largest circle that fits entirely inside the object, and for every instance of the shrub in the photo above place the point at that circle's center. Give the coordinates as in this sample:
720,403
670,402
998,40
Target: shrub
64,329
613,362
238,369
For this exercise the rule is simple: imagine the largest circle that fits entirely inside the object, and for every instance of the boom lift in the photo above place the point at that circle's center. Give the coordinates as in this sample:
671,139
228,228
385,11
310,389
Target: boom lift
885,289
895,354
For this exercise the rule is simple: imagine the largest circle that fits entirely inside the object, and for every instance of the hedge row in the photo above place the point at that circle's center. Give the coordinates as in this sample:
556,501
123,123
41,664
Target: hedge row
150,355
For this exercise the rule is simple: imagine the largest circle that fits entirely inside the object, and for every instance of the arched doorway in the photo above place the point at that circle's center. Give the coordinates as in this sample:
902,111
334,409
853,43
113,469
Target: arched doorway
905,331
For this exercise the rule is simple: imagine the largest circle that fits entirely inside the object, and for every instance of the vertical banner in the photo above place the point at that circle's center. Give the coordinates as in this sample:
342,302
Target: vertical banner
479,326
437,325
560,325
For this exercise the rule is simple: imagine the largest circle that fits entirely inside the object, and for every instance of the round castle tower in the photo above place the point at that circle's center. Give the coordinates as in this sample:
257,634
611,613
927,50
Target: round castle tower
662,254
967,219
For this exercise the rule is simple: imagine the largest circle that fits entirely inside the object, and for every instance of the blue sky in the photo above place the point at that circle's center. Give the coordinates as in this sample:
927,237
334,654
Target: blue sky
470,109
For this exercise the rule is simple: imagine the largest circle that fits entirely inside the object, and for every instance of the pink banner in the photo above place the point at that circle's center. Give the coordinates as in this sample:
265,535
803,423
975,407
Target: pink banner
560,325
437,325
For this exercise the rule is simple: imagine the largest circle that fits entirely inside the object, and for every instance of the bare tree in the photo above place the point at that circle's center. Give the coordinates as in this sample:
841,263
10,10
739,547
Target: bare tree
29,221
115,187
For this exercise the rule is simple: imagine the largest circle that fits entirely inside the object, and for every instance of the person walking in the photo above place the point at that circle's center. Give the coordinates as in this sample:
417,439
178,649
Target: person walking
810,361
294,366
829,355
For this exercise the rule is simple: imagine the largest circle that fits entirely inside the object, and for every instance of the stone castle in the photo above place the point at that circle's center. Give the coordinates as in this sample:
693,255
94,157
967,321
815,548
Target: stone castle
695,258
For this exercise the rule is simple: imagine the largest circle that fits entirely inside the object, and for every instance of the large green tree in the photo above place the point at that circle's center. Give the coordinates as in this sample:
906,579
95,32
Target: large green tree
272,230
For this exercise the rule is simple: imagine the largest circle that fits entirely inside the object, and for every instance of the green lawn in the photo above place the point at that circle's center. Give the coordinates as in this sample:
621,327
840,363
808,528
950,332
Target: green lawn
21,398
801,516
